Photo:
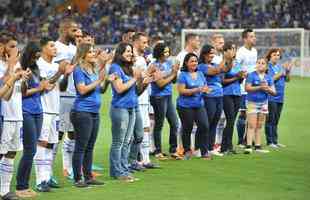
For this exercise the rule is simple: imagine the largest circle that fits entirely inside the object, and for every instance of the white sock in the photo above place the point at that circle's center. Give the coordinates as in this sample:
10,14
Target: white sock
193,135
67,153
40,164
49,154
145,148
6,174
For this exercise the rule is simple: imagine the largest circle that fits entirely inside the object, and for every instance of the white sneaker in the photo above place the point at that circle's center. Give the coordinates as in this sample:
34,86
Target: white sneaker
248,150
242,146
281,145
197,153
216,153
262,151
274,146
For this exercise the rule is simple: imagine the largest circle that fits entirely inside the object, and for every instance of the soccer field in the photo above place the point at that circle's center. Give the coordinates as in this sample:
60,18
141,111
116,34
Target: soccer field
282,174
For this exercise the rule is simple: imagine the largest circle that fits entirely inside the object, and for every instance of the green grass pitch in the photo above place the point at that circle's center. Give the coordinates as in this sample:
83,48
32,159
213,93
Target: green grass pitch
282,174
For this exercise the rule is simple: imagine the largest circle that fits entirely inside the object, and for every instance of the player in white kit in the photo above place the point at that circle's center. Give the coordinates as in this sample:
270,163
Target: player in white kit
50,103
246,58
68,31
10,143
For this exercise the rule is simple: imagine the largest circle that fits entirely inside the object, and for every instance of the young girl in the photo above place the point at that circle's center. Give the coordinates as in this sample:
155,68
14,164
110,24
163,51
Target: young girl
258,85
190,105
280,75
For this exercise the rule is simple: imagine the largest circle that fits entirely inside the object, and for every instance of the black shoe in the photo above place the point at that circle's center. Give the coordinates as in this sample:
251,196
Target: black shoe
10,196
94,182
151,166
137,167
80,184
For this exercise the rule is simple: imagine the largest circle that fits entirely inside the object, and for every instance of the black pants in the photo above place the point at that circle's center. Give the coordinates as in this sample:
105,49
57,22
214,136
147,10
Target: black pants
272,121
86,126
214,107
188,116
163,107
231,107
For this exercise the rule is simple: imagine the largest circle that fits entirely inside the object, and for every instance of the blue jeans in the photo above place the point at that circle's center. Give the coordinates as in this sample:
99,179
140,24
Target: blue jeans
86,126
163,107
138,133
32,126
272,121
214,107
123,122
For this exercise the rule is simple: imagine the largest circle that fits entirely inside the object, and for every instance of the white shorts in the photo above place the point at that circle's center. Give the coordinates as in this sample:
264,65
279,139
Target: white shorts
50,128
66,104
11,137
144,110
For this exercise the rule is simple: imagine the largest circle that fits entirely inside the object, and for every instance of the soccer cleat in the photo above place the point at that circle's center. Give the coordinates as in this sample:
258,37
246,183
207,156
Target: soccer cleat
206,156
27,193
67,174
176,156
43,187
196,153
10,196
95,174
53,183
188,155
126,179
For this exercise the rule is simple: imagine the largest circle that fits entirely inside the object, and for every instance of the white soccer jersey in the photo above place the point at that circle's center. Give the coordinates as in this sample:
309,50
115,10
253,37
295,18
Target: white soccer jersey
180,57
246,60
141,64
66,52
50,99
12,110
217,59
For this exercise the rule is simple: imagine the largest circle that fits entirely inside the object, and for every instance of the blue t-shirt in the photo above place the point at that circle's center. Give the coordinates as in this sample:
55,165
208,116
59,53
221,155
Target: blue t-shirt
127,99
254,79
196,100
32,104
232,88
214,82
91,101
279,84
166,69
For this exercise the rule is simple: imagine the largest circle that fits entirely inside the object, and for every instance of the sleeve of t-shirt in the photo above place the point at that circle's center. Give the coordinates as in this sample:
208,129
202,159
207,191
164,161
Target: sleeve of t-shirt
249,79
115,69
203,68
182,79
78,76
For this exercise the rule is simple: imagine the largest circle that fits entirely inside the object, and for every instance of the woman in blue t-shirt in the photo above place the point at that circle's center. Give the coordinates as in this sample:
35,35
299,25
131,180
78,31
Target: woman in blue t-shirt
214,99
280,75
88,81
123,110
191,85
32,117
161,100
258,85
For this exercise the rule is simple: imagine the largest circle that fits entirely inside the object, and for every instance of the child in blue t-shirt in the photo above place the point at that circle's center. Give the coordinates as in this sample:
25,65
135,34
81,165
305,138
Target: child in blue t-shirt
258,85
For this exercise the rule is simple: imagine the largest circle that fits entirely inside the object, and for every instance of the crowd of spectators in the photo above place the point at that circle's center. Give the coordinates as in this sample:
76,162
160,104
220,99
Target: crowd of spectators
106,19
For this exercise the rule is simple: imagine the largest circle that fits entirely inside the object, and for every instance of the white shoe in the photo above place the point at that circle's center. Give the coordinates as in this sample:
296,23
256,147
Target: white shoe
274,146
281,145
197,153
262,151
216,153
242,146
248,150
